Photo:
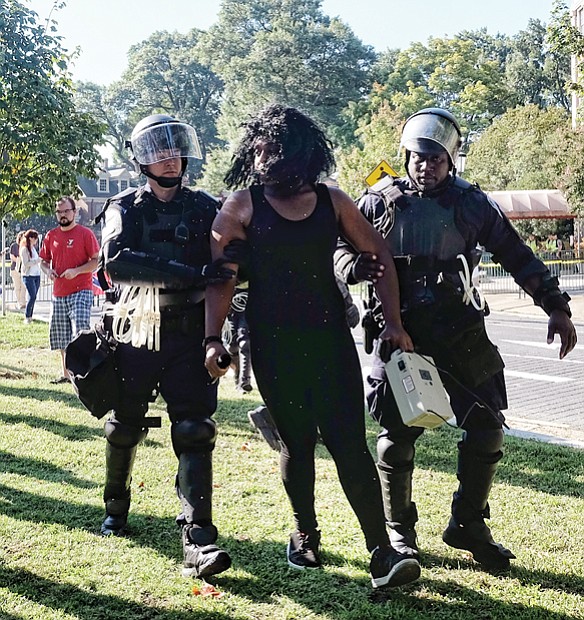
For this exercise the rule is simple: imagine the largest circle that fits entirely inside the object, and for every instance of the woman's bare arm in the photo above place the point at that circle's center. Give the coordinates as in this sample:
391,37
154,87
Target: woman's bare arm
364,238
230,223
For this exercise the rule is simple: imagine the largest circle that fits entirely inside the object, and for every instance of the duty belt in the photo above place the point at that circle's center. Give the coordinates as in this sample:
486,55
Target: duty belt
426,264
181,299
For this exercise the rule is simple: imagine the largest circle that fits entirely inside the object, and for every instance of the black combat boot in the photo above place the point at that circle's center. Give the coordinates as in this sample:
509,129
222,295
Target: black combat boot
194,486
400,512
467,528
118,466
202,557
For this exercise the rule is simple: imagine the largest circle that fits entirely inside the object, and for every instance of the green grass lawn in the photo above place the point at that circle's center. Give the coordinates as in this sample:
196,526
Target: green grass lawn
54,564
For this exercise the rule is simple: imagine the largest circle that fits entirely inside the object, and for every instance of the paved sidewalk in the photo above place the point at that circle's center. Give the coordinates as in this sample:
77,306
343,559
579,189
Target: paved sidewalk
515,304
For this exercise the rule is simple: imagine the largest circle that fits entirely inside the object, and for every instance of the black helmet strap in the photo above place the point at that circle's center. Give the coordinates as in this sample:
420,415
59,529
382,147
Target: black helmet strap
166,182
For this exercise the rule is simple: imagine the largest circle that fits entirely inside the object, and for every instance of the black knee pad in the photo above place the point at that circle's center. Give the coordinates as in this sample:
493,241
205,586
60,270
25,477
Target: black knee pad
193,435
395,454
483,444
122,435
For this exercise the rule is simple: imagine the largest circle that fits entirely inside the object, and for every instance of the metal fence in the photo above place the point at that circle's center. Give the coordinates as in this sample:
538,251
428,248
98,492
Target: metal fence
569,267
45,291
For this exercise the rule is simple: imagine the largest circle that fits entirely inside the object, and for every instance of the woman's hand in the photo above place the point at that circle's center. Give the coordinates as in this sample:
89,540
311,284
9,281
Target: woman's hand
216,360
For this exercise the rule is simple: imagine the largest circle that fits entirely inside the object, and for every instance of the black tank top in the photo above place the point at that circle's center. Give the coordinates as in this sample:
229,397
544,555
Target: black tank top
291,278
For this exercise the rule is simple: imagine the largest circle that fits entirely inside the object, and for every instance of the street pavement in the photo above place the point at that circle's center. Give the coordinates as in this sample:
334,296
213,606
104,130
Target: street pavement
554,428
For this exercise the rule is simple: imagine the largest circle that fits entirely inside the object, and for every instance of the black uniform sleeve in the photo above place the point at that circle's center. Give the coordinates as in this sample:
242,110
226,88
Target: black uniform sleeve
126,265
371,206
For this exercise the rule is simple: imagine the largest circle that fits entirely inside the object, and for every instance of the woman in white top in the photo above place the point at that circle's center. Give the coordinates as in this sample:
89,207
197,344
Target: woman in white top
30,270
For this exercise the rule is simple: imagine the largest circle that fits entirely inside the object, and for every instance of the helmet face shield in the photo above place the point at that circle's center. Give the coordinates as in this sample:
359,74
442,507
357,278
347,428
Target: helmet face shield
165,141
431,132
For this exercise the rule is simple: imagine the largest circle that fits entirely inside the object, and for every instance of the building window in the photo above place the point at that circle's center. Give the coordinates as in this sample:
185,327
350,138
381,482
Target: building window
103,185
123,185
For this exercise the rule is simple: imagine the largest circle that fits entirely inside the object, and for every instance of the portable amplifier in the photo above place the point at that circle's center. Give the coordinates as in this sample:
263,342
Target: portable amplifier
418,390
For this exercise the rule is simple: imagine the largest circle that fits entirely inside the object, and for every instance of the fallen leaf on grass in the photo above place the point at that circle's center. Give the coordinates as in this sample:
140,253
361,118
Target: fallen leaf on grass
206,590
246,446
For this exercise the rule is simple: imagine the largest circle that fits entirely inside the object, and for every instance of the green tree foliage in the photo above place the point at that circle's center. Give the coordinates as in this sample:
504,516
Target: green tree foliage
566,39
519,149
473,74
531,148
380,138
111,106
164,75
462,74
289,51
45,142
286,51
535,72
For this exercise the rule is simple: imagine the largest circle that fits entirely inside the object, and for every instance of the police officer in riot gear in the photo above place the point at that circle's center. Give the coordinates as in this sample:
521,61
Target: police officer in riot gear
158,236
433,221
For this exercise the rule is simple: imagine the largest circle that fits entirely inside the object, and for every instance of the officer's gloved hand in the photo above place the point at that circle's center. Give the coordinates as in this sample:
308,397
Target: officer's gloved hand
367,267
237,251
216,272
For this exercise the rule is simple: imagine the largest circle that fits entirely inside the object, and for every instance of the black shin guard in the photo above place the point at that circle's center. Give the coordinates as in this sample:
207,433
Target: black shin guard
194,486
400,511
467,529
119,464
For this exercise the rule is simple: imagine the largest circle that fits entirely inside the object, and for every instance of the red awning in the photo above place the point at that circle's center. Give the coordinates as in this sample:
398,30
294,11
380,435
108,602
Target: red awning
527,204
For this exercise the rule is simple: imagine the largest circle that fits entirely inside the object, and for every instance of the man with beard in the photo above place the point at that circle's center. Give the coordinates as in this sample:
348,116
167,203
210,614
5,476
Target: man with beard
433,222
303,355
69,256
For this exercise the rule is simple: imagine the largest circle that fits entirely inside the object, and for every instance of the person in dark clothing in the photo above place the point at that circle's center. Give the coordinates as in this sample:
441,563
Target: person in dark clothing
156,246
433,222
303,356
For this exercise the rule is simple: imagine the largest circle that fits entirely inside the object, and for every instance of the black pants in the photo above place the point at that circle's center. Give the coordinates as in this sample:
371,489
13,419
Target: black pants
177,371
311,379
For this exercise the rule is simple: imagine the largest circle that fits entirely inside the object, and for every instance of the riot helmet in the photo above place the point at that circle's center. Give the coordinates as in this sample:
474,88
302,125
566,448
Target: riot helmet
158,137
432,130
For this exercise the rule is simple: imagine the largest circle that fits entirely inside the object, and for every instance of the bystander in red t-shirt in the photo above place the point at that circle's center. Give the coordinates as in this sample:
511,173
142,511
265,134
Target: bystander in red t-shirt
68,249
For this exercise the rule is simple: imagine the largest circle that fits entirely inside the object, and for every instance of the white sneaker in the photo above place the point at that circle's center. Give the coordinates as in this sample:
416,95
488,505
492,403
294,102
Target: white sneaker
27,320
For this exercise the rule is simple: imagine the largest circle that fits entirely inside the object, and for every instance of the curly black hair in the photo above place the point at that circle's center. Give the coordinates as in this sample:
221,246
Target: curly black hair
304,151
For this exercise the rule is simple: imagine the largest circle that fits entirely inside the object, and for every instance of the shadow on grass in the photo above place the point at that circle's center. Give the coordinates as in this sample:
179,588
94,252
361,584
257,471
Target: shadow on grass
275,579
40,470
88,605
56,394
15,372
268,575
71,432
552,469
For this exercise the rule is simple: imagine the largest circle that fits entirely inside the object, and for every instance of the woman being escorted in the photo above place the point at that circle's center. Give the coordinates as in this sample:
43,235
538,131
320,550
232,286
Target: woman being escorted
30,270
303,355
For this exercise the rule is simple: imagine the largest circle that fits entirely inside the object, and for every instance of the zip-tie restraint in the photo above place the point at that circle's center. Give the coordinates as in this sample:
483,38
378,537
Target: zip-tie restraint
238,304
469,288
136,317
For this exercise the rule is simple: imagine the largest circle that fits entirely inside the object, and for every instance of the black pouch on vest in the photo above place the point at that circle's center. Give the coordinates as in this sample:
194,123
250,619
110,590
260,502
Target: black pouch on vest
90,361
